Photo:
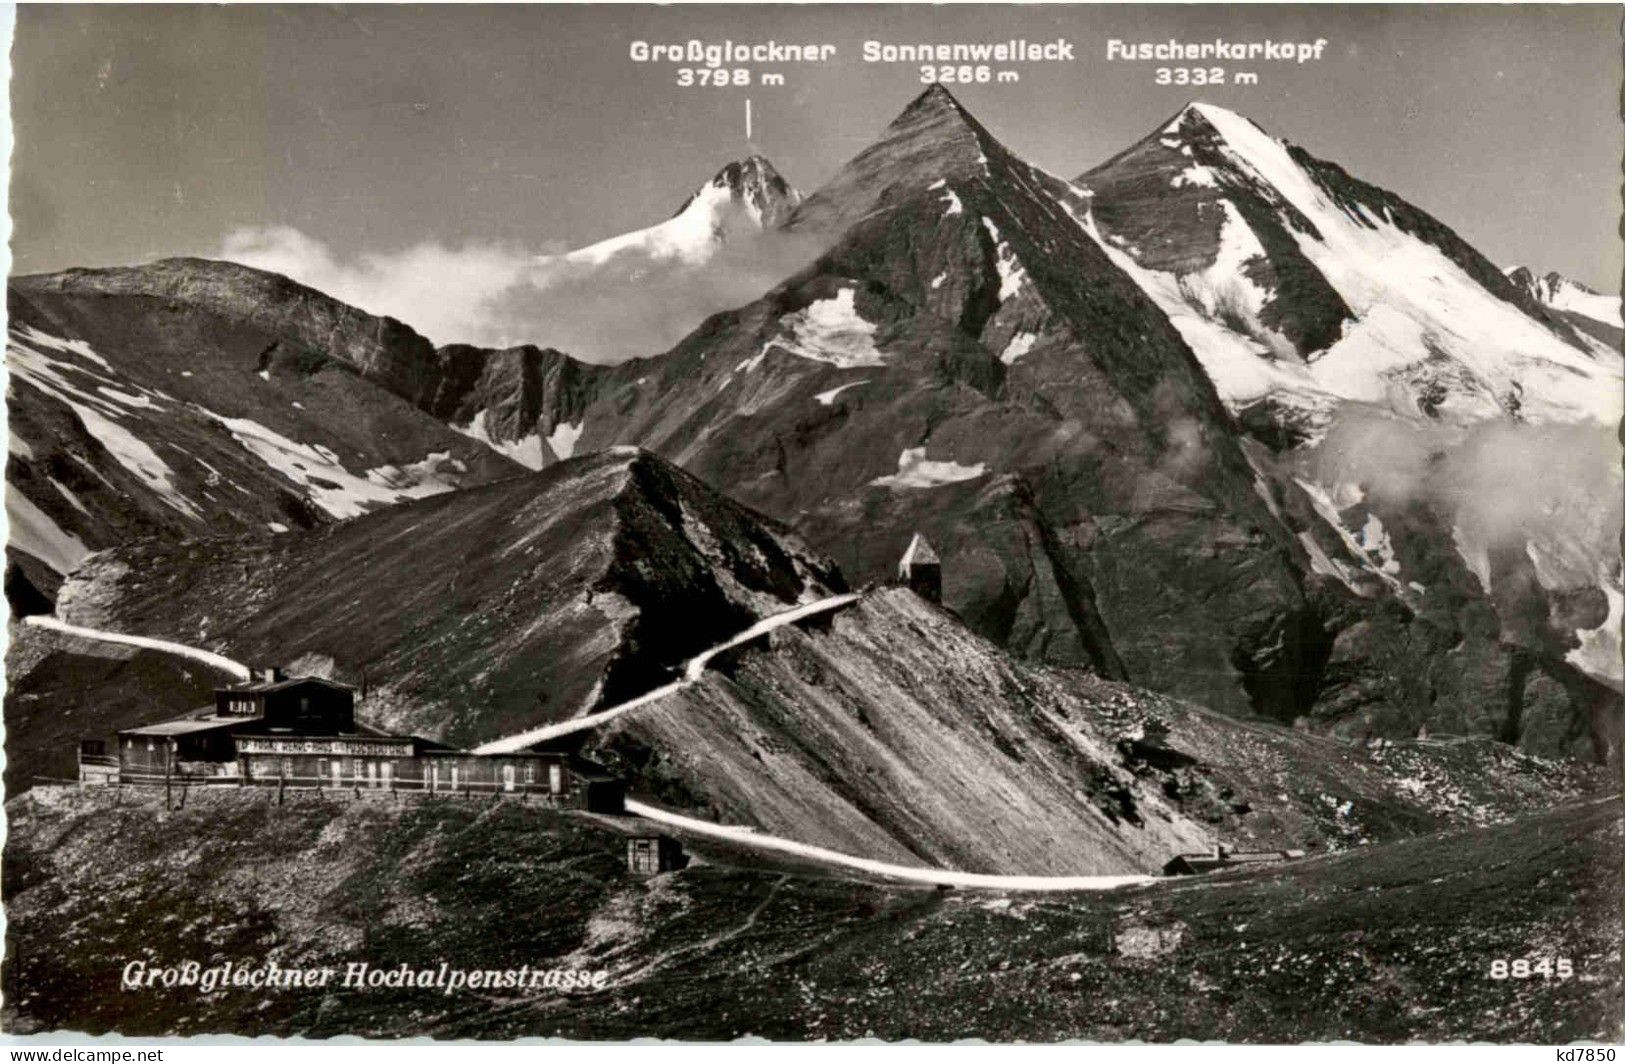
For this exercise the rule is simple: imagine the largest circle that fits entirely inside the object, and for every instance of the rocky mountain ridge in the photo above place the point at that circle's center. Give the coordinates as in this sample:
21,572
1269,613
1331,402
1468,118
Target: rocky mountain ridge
1593,313
977,355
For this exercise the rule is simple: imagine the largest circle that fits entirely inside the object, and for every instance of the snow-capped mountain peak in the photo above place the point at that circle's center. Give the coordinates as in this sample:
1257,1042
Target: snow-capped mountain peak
1561,294
744,197
754,184
1302,287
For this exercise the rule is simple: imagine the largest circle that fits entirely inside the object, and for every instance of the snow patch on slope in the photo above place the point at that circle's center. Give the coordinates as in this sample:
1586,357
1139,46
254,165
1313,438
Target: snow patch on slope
1195,175
915,470
1012,275
830,330
828,398
1560,293
323,478
527,452
35,533
99,409
1019,345
206,657
564,436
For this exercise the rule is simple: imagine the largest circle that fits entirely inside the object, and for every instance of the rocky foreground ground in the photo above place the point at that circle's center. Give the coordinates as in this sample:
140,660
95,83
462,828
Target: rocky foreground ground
1381,943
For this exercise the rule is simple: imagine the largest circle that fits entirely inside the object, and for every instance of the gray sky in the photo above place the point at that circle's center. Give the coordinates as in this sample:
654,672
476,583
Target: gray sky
145,131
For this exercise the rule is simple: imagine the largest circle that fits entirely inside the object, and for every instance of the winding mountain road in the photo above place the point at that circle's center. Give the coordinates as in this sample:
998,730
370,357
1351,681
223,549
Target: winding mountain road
744,836
217,661
692,672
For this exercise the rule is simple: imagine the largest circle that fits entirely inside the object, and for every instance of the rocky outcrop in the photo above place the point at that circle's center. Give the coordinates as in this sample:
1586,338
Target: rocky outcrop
383,350
528,402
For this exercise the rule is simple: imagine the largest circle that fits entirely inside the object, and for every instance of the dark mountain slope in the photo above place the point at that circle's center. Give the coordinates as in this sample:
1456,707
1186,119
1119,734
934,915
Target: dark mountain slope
478,613
893,732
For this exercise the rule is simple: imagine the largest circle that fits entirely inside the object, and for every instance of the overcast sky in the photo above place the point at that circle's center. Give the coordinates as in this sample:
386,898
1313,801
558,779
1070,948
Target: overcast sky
144,132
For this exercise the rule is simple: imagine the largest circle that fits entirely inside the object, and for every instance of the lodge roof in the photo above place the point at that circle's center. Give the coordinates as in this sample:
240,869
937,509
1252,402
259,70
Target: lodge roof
206,717
264,686
187,725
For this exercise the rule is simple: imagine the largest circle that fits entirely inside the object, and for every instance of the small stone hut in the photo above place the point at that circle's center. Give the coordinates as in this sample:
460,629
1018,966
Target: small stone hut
921,569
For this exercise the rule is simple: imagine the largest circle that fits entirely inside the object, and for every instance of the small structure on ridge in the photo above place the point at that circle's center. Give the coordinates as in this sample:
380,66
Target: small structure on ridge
921,569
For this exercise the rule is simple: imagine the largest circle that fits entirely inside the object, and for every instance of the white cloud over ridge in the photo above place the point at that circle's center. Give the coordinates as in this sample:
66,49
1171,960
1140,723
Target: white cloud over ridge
448,294
500,295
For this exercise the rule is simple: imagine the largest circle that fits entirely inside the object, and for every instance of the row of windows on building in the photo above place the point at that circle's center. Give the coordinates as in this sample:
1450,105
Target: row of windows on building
380,773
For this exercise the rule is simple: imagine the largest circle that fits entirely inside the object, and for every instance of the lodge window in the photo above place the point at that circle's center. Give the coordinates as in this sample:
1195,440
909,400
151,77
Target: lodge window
149,746
287,766
530,772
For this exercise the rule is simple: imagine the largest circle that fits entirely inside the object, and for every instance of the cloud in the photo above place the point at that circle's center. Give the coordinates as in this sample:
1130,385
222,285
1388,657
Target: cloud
1553,489
448,294
498,295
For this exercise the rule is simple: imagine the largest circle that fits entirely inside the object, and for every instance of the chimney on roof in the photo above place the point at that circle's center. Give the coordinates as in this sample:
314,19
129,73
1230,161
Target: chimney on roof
272,674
